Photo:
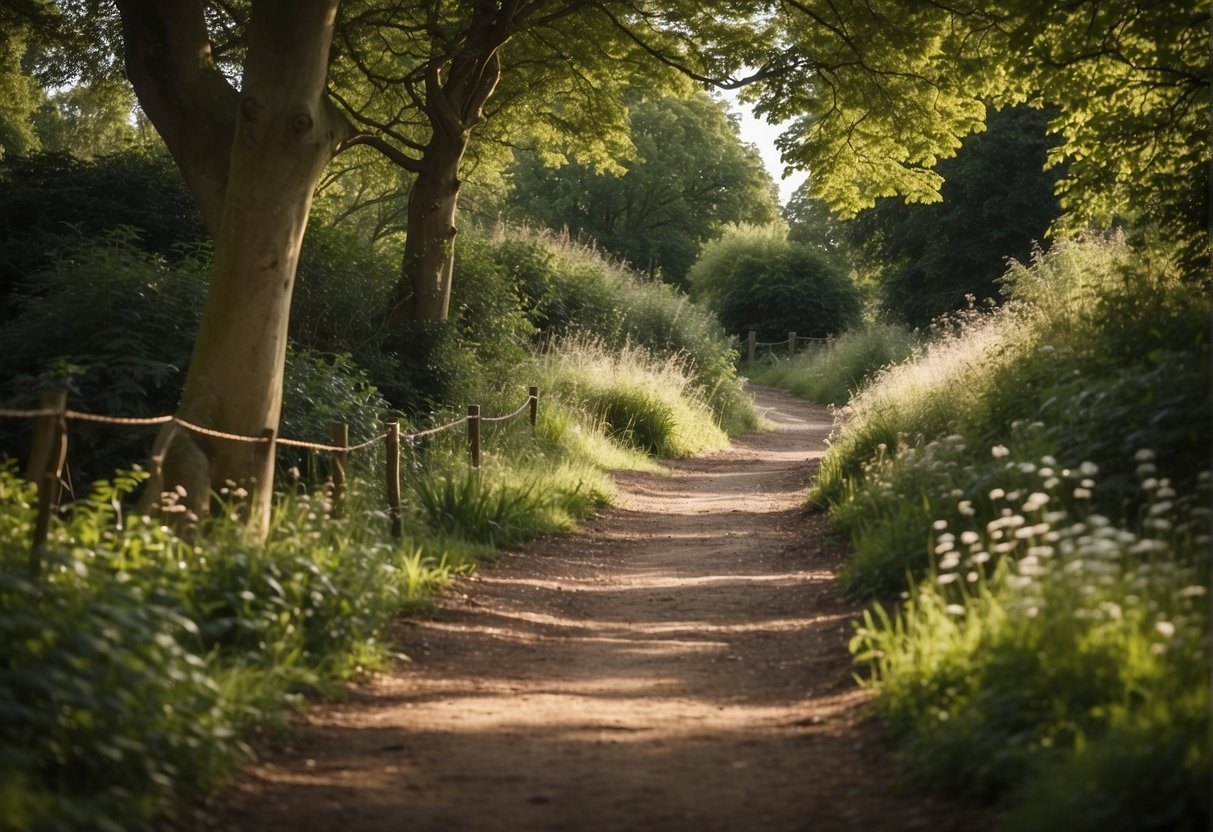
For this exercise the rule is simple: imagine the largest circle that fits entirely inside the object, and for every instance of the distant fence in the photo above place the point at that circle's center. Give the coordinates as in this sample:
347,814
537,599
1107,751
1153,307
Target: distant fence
48,451
790,343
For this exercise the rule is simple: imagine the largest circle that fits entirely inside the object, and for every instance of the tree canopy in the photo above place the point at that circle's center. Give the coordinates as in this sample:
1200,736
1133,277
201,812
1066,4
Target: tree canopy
690,175
881,91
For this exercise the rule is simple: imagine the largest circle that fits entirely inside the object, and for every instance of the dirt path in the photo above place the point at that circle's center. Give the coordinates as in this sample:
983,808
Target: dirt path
680,664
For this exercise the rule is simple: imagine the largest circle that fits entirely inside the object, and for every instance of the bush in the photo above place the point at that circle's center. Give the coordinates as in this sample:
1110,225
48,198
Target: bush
50,202
757,282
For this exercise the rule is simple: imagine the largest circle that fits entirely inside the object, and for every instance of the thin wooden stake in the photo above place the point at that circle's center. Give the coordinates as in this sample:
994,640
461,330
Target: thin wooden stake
533,392
341,462
393,478
48,453
752,346
474,434
791,344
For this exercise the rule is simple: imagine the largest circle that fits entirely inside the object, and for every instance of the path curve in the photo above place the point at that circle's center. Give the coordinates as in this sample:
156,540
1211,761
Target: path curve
679,664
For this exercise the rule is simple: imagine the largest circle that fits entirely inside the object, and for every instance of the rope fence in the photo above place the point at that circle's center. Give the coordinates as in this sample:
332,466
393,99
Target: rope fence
48,450
790,343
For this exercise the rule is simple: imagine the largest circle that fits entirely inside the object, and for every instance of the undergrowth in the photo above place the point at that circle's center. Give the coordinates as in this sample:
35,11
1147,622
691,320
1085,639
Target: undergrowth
1033,486
833,372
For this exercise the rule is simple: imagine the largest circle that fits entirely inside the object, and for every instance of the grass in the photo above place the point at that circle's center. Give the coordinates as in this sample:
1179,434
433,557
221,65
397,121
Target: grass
835,371
1028,499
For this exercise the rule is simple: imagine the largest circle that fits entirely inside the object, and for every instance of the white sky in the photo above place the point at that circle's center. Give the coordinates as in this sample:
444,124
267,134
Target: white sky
762,135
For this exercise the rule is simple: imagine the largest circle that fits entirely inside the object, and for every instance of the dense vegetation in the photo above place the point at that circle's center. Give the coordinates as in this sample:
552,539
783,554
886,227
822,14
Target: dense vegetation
1035,484
1025,484
204,638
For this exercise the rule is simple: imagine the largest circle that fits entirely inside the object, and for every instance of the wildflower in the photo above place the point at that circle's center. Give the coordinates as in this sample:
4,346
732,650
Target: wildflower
969,538
1149,484
997,494
980,557
972,577
1036,501
965,507
947,578
1146,469
939,525
949,561
1082,493
954,609
1165,627
1045,471
1088,469
1027,467
999,451
1144,455
1194,591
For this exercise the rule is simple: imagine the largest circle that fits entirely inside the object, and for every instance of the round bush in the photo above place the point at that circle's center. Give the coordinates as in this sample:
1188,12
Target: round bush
791,289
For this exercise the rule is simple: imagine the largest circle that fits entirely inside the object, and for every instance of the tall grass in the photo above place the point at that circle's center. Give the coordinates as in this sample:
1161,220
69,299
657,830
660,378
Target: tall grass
1035,483
640,399
833,372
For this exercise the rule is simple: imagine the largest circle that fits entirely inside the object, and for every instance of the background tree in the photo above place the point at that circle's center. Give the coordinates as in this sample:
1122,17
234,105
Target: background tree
881,91
997,201
690,175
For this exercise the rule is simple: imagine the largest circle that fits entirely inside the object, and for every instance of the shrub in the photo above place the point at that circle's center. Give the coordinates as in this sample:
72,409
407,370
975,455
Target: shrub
757,282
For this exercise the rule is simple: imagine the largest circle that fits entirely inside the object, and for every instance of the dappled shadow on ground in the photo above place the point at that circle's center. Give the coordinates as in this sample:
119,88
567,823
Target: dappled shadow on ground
679,665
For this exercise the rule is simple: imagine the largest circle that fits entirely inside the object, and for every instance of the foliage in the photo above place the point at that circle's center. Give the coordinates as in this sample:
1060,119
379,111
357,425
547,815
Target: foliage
996,204
1062,655
125,322
757,280
880,93
834,372
51,203
88,121
20,94
1053,629
691,174
569,289
1058,354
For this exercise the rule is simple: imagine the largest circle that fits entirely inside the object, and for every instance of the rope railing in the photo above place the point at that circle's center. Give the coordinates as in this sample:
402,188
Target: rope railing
48,451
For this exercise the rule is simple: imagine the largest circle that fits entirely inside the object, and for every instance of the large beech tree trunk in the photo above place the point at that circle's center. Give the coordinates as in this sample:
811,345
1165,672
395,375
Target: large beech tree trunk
285,133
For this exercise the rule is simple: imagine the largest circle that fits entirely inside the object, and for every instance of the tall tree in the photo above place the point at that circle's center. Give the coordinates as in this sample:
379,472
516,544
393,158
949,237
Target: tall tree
253,158
691,175
997,201
423,79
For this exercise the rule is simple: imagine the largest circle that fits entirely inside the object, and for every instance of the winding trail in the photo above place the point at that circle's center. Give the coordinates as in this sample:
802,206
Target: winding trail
679,664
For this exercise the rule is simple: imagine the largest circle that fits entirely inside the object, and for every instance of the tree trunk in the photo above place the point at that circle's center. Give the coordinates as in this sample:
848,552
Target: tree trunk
285,135
424,290
169,64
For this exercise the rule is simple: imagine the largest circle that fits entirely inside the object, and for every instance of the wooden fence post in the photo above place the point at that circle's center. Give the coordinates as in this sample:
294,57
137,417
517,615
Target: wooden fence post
341,462
474,434
393,478
752,346
533,392
48,452
791,344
